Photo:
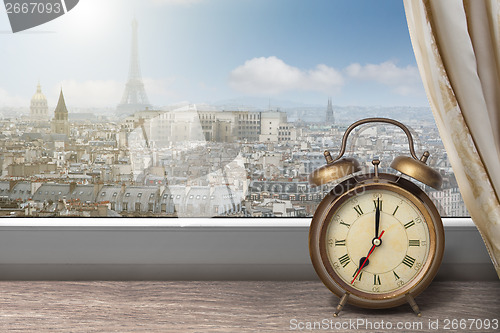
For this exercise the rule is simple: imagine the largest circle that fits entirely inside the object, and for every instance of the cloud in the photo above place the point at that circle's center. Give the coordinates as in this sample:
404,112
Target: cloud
271,76
108,93
90,93
159,90
7,99
403,80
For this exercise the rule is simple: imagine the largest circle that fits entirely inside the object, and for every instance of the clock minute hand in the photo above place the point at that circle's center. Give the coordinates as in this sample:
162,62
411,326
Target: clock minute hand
377,217
368,256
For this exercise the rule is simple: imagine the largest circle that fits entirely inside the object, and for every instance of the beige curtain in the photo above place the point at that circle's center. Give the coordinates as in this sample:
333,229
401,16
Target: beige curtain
457,47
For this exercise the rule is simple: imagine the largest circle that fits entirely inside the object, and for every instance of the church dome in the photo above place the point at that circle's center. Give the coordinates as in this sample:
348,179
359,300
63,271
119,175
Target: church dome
38,98
39,110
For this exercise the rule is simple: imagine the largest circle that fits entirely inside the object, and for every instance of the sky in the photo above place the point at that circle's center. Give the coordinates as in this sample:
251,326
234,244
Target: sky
209,51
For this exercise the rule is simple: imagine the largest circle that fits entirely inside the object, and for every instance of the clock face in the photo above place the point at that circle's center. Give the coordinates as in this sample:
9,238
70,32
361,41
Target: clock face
396,258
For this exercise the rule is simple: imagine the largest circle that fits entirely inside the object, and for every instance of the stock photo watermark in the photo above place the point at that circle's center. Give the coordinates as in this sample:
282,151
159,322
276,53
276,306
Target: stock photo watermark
362,324
26,14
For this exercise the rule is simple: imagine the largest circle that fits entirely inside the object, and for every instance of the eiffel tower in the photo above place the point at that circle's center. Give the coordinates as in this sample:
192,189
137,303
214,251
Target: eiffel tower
134,97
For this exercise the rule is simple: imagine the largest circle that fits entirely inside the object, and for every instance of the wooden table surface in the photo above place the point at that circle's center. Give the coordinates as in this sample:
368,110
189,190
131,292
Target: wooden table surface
232,306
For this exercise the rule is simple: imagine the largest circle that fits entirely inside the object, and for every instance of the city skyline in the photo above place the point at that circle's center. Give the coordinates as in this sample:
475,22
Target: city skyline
190,162
334,49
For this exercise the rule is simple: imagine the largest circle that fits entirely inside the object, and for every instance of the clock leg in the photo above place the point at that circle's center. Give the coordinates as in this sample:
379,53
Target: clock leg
342,302
413,305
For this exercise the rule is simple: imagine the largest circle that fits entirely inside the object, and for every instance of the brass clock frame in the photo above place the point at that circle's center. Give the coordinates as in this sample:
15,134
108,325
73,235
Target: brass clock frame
318,242
411,166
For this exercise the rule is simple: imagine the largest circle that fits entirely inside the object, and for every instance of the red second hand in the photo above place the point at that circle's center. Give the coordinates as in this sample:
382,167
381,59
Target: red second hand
371,250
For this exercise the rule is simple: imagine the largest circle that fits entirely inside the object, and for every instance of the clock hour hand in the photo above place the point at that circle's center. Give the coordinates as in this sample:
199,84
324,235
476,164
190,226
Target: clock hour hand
376,242
362,260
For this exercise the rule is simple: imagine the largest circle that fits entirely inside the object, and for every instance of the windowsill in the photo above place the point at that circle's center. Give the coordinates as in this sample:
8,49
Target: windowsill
192,249
181,222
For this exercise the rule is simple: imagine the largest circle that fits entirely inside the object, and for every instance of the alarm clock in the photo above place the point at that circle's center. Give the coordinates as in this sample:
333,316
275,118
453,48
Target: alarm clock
376,240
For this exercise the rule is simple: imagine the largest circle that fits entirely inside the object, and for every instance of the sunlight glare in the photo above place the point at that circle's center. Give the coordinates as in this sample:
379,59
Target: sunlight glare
90,18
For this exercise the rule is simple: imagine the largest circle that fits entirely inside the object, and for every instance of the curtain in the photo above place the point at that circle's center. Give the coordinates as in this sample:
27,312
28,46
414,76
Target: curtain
457,48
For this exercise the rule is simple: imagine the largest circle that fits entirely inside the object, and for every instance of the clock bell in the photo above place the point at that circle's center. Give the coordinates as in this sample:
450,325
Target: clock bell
411,166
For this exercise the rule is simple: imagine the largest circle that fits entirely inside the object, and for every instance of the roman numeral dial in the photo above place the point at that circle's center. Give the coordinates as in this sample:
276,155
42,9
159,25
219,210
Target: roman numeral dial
375,204
358,210
414,242
344,260
340,242
399,256
409,261
358,278
409,224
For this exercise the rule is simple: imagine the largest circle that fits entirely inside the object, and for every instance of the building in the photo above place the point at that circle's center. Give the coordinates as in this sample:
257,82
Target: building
249,125
230,126
275,127
139,118
187,124
39,110
449,202
30,169
60,124
139,200
175,127
330,117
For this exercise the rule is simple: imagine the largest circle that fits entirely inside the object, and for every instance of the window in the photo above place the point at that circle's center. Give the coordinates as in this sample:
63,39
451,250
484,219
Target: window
272,132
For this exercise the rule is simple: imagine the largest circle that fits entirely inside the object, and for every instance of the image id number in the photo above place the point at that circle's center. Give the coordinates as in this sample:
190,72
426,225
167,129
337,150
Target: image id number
470,324
33,7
